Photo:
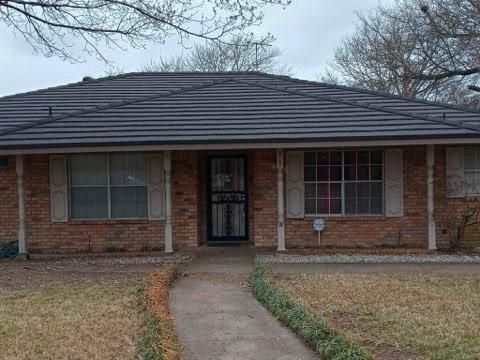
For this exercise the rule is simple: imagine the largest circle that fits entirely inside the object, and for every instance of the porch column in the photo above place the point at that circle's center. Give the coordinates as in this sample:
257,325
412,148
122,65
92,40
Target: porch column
280,209
167,164
432,236
22,241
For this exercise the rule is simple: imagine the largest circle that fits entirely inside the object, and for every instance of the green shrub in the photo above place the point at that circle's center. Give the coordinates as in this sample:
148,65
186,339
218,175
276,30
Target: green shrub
9,250
329,343
147,344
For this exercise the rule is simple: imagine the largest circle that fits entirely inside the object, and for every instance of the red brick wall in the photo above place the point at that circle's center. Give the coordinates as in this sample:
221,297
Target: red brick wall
263,195
96,235
344,231
78,235
370,231
185,198
472,234
189,211
8,203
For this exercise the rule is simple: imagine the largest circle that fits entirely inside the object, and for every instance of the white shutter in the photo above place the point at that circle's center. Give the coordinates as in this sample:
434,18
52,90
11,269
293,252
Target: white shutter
295,185
156,187
454,172
58,188
394,182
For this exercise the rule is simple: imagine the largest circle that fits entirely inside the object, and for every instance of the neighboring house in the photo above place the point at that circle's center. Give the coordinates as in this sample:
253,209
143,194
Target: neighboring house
165,160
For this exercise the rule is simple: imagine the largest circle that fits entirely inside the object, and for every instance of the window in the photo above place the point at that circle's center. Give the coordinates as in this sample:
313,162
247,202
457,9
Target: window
472,170
3,162
108,186
343,182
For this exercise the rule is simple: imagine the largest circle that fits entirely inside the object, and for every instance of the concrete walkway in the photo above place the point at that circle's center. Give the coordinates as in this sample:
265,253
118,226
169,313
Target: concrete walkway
216,316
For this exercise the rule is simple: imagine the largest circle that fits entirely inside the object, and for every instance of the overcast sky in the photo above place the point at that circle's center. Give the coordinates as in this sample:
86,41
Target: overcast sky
307,32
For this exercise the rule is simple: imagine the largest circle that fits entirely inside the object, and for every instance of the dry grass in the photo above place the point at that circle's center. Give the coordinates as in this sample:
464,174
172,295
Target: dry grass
77,320
163,343
84,307
397,316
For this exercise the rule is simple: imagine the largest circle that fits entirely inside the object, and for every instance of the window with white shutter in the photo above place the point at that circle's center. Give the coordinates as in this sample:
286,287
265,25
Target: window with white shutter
295,184
58,188
455,173
104,186
393,182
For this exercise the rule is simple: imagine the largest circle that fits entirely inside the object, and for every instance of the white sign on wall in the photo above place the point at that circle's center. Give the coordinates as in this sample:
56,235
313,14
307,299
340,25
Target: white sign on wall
318,224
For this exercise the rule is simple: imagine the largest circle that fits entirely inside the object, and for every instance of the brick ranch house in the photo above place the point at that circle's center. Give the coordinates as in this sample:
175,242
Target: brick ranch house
167,160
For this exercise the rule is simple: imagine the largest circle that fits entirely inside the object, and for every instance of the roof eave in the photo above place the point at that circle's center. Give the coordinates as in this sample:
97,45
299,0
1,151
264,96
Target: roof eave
239,144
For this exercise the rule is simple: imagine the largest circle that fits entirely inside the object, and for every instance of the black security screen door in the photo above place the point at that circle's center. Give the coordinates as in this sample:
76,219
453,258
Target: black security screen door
227,199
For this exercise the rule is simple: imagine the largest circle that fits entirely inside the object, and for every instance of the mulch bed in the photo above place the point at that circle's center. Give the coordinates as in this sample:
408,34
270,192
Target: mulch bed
18,274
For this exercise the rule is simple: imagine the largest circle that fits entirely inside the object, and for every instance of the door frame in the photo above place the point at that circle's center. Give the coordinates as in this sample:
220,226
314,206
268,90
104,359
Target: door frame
231,239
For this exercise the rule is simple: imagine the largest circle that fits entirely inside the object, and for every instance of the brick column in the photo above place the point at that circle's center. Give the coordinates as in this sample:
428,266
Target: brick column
185,198
264,198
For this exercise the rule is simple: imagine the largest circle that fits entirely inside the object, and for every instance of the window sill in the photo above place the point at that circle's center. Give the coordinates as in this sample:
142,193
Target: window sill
349,217
471,196
107,221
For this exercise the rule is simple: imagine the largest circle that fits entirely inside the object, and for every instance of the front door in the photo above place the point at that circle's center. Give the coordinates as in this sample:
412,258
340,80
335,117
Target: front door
227,199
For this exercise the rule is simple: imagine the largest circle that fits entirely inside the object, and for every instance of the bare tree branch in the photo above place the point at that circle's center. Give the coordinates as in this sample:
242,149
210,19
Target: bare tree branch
474,88
446,74
415,48
457,216
55,27
241,53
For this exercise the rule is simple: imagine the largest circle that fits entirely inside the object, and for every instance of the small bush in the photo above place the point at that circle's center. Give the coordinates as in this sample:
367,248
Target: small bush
329,343
9,250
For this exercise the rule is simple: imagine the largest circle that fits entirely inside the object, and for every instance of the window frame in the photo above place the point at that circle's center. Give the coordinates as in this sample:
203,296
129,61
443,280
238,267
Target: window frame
108,186
3,162
343,182
475,171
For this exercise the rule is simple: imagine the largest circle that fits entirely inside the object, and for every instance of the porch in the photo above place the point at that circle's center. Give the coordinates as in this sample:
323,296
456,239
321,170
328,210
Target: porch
198,197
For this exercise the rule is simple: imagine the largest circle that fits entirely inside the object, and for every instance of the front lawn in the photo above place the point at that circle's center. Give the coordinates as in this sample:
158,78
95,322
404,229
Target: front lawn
74,320
86,308
396,316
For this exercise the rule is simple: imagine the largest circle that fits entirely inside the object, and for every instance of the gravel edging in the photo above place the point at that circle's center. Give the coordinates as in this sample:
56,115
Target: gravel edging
104,260
369,259
174,258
